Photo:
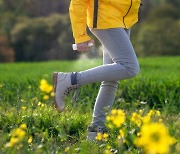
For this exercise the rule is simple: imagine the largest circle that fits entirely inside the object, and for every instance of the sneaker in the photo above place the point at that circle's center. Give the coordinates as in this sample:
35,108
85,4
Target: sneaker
63,83
93,130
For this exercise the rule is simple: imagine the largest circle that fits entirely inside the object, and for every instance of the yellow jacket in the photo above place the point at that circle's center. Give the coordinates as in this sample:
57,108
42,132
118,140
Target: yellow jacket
101,14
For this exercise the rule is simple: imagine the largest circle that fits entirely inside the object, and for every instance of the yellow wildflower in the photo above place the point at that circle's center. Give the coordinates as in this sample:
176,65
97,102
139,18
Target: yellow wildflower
154,112
45,97
45,87
138,134
24,107
146,119
30,139
1,85
114,111
107,151
108,147
66,149
121,132
105,135
108,118
136,118
110,126
160,120
158,113
140,111
41,104
22,100
117,117
99,136
18,133
13,141
155,138
52,94
119,137
23,126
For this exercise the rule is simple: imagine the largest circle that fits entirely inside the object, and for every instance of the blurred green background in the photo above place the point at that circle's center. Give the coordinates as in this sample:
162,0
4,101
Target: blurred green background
40,30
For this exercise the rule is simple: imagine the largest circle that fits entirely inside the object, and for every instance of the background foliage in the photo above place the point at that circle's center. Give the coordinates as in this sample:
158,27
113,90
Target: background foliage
38,30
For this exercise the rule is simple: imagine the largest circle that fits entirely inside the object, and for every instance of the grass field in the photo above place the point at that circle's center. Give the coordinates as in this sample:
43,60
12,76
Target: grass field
30,124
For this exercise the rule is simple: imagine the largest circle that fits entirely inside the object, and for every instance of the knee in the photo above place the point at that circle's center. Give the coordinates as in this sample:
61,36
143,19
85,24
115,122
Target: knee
133,71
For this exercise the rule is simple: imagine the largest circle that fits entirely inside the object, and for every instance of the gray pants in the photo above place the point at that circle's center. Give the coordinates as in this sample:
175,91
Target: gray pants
119,62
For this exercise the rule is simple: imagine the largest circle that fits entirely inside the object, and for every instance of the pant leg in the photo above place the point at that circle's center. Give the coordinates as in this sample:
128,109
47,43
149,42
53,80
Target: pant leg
120,49
106,94
105,97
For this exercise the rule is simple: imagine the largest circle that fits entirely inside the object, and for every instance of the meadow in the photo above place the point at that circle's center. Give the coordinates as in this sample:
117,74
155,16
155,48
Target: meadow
30,124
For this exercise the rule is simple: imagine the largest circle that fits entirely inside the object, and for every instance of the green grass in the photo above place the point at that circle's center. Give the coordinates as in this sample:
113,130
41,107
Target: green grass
158,84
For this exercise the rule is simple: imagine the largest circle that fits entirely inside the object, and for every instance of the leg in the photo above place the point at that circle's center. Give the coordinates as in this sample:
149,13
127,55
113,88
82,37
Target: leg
119,48
124,66
106,94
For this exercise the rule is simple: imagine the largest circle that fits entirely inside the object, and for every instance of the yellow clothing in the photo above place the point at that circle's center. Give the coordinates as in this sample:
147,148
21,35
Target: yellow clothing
101,14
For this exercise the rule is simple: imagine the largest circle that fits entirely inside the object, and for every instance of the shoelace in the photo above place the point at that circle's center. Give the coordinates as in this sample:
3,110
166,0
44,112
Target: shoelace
101,129
70,88
77,92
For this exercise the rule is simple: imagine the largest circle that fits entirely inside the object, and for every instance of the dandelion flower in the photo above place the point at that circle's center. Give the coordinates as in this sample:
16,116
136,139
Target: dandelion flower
18,133
30,139
99,136
105,135
146,119
52,94
140,111
121,132
24,107
155,138
13,141
160,120
23,126
136,118
45,87
45,97
118,117
22,100
41,104
114,111
66,149
158,113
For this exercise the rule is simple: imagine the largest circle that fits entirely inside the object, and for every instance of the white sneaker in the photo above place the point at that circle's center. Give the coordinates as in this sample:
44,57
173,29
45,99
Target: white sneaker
63,83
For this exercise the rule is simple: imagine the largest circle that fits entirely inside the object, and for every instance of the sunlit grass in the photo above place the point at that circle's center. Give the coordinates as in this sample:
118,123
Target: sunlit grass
23,101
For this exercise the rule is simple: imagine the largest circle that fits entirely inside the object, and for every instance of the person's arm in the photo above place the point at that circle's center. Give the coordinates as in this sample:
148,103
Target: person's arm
78,17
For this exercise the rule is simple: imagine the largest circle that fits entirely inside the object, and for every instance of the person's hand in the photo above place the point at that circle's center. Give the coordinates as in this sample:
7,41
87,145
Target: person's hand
83,47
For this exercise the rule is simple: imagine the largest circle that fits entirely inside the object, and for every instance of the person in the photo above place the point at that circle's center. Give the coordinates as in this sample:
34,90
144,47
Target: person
110,21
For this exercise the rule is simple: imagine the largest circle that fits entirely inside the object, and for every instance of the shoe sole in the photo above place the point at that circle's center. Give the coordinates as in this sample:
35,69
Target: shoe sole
55,75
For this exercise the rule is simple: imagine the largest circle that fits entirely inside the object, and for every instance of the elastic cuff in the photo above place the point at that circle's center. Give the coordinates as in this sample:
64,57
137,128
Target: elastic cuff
82,39
73,78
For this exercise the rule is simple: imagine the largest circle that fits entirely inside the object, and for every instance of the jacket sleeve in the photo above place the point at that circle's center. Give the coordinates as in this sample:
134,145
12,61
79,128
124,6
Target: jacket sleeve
77,11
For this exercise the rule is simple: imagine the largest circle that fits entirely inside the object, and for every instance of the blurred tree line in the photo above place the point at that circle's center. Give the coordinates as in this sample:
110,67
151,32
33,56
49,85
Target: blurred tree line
38,30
